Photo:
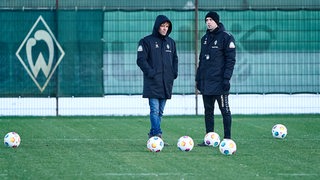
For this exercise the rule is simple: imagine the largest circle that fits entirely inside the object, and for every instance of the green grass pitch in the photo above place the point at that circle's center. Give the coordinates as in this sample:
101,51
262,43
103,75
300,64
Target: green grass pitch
115,148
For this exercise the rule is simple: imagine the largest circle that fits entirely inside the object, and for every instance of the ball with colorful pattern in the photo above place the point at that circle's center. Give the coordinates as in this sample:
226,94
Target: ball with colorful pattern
12,140
155,144
228,147
279,131
212,139
185,143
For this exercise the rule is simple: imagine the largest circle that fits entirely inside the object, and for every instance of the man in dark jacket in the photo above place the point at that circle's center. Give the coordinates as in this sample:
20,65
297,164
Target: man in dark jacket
158,60
216,64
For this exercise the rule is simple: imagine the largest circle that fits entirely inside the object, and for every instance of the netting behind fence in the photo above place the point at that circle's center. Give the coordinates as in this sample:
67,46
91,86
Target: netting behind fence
78,51
160,5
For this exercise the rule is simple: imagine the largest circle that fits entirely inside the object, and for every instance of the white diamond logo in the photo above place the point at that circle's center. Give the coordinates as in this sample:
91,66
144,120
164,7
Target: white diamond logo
40,53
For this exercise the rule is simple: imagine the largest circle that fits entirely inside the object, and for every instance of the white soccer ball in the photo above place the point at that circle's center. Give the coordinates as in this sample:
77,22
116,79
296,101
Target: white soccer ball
155,144
279,131
185,143
12,139
228,147
212,139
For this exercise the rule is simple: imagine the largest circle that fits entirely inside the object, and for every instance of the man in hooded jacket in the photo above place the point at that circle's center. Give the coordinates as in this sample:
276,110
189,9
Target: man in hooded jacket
216,64
158,60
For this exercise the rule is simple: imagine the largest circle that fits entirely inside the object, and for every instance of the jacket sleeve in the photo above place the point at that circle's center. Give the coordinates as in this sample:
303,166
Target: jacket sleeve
175,62
143,60
230,56
199,64
198,72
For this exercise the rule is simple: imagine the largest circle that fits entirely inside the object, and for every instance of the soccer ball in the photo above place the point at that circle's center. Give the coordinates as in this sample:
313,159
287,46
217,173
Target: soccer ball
155,144
279,131
185,143
228,147
212,139
12,139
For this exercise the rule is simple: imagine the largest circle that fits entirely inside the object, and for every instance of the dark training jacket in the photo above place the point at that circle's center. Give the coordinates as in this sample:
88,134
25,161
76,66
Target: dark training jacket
158,60
216,61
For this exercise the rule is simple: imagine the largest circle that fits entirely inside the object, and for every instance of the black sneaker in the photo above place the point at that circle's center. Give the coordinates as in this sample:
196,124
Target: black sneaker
202,144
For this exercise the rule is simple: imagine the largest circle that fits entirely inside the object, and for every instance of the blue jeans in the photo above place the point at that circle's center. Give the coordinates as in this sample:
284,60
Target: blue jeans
156,113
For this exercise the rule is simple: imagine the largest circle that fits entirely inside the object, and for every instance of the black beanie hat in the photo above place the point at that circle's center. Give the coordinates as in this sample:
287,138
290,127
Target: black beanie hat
214,16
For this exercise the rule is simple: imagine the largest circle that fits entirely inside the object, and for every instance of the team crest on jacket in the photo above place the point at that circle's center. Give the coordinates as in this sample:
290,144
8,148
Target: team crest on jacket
215,44
156,45
140,48
168,48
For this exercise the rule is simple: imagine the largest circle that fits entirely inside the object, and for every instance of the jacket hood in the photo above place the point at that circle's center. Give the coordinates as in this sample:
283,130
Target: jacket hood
159,20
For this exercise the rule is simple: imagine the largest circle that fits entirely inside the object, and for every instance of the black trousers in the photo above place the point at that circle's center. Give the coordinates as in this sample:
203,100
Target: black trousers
208,102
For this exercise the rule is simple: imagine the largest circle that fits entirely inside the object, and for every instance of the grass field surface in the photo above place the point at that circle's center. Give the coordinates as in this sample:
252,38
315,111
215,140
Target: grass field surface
115,148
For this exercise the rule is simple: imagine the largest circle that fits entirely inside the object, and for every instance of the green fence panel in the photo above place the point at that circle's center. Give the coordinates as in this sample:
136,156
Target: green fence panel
80,73
123,30
50,53
14,78
277,50
93,52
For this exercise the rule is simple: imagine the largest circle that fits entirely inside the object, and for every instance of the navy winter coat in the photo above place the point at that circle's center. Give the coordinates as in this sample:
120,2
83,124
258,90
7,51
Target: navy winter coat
216,61
158,60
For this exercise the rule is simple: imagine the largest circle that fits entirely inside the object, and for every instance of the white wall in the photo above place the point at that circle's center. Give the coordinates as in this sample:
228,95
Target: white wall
178,105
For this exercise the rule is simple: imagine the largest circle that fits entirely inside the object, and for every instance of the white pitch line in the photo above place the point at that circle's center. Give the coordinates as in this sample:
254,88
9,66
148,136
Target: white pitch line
143,174
80,139
297,174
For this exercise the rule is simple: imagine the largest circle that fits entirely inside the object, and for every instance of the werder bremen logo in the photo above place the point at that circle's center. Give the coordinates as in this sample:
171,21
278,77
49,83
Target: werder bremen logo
38,52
